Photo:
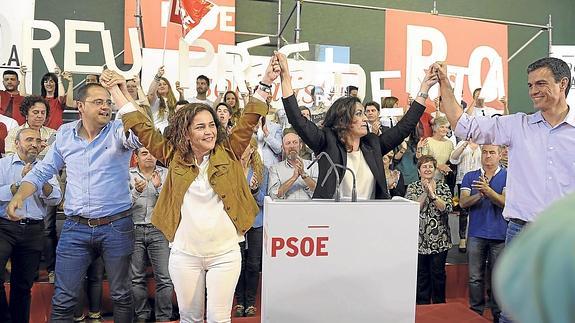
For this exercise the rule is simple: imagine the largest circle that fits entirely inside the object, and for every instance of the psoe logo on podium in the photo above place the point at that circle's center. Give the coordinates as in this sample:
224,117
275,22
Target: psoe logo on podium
313,244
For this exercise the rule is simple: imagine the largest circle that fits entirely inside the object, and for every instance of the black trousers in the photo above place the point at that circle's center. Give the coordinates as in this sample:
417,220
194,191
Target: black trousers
23,244
431,278
247,286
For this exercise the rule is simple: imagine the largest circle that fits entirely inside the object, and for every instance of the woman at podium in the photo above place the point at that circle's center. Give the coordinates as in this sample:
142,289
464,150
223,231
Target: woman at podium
345,137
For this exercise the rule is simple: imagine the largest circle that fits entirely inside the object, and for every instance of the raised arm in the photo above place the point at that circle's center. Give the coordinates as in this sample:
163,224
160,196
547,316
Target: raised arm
61,89
70,102
152,91
450,106
22,86
242,133
142,97
135,118
309,132
395,136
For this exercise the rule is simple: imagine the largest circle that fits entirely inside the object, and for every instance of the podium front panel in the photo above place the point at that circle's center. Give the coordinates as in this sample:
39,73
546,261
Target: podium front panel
339,262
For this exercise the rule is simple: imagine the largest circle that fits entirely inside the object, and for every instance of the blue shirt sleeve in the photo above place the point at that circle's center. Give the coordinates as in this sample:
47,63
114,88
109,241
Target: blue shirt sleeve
467,181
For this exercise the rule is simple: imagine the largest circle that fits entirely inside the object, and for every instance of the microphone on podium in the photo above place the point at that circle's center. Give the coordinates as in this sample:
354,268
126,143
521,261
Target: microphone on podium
333,166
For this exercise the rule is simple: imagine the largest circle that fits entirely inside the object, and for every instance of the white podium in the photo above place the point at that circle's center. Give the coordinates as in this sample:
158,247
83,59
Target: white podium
339,262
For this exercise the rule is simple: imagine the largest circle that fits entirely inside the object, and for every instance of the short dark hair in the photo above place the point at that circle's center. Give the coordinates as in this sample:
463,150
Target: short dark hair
29,101
182,102
83,91
10,72
351,88
203,77
426,159
303,107
98,77
558,68
45,77
225,105
373,104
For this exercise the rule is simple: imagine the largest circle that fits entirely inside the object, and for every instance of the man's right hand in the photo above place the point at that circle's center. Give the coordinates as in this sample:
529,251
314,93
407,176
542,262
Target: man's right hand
15,203
440,69
140,185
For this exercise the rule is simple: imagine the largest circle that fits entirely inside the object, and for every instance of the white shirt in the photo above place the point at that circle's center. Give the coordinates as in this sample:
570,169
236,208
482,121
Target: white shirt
159,122
205,229
206,101
365,181
468,161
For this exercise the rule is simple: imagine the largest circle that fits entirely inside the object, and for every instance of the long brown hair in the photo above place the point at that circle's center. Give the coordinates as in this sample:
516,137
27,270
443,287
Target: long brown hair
256,161
177,133
235,111
167,107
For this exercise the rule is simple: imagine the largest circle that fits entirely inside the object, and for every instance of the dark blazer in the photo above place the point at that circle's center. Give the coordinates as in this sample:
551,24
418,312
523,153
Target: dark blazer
372,146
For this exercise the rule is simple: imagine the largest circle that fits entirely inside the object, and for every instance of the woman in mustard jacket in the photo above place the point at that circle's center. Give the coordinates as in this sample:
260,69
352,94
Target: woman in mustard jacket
205,206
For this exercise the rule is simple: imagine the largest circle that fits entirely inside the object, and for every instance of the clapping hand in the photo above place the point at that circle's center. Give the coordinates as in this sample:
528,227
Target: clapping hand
481,185
156,180
140,184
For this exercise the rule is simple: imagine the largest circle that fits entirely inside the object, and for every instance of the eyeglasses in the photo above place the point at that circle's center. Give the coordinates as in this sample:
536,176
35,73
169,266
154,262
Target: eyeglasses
100,102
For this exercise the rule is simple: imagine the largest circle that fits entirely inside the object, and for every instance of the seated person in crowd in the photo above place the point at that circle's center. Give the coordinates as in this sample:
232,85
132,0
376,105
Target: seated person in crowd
36,111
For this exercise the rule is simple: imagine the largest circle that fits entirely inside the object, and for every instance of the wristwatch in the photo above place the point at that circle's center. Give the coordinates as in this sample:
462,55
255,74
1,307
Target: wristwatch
304,176
423,95
265,87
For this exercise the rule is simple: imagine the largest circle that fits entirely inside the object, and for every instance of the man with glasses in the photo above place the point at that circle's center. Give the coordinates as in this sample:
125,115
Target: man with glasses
96,153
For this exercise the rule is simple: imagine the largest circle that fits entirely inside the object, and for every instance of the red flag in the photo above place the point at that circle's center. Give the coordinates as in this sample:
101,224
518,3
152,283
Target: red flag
194,16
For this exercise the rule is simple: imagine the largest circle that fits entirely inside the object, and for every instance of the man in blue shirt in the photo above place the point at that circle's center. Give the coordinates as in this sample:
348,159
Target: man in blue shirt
96,153
22,239
483,192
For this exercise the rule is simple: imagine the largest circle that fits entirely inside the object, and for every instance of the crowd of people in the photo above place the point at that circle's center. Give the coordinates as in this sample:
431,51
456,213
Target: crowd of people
157,179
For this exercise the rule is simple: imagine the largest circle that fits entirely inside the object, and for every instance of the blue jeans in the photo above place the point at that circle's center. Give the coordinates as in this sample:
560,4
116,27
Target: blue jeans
151,244
79,245
513,229
479,250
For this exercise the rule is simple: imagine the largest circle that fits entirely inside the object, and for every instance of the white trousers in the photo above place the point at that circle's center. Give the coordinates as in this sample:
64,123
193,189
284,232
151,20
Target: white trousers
191,277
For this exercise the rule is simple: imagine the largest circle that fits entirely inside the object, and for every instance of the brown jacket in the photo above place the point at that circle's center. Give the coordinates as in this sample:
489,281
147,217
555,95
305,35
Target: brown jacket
225,172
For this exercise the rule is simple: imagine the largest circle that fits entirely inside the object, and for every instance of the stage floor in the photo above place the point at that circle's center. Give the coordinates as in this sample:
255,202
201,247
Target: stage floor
454,311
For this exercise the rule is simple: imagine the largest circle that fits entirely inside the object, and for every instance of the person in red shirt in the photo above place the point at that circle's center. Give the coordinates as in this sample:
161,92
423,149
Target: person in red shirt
10,98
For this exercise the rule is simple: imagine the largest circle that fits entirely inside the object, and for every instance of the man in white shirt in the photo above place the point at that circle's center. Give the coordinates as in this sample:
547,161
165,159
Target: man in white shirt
202,87
291,179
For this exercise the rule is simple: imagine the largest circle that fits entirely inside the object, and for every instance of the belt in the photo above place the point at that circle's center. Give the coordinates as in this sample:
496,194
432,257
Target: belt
518,221
96,222
144,225
24,221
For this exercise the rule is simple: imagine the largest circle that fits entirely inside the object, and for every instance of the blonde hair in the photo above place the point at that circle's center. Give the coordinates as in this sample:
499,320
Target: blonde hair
439,121
168,106
256,161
